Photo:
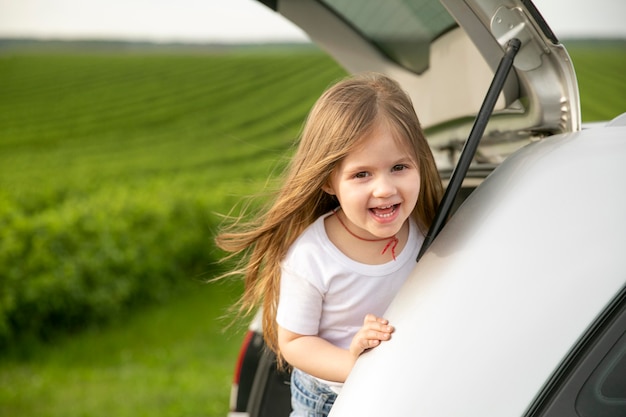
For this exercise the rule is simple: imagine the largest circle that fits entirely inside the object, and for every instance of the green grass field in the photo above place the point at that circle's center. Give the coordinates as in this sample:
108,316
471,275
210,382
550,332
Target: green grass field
600,72
165,360
112,169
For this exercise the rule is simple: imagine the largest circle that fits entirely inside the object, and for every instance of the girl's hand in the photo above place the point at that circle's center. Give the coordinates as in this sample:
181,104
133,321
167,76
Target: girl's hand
374,330
322,359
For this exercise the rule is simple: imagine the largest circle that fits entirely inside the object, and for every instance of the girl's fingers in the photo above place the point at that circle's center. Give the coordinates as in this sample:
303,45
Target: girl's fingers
380,327
383,324
374,335
374,331
370,318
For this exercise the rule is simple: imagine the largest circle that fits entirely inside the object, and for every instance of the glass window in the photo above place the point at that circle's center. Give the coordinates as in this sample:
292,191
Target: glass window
592,382
400,29
604,393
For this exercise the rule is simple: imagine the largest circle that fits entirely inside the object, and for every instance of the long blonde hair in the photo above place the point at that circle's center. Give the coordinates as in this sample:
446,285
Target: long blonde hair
339,120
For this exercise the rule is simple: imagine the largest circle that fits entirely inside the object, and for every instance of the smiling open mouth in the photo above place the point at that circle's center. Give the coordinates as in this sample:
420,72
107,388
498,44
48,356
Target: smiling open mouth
386,211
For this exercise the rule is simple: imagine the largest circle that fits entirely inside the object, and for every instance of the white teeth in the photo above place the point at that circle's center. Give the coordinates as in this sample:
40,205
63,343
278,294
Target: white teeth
385,215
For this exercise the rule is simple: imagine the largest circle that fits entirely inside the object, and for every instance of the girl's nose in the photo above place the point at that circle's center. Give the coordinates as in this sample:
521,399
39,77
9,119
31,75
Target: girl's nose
384,187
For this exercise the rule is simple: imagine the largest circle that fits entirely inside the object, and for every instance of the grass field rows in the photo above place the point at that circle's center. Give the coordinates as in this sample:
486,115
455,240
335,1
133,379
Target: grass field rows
206,110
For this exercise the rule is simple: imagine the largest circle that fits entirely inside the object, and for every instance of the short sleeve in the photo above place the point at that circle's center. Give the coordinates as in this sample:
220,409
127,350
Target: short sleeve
299,305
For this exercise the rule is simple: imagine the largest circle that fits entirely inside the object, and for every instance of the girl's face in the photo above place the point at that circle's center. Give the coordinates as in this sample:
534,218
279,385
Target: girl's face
377,185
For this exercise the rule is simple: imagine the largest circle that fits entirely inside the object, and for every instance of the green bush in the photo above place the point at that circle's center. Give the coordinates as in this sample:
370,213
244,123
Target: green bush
93,257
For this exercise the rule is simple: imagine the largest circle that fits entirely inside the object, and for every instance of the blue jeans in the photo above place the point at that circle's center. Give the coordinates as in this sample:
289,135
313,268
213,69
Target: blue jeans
310,397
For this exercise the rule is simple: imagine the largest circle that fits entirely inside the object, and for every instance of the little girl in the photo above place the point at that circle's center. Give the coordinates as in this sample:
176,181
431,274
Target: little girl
343,233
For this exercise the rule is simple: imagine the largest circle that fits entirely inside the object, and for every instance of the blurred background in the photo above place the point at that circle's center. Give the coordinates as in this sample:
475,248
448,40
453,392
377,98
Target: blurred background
127,128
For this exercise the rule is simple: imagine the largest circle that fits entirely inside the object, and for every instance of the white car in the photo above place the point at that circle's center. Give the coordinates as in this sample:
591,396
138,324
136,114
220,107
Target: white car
517,305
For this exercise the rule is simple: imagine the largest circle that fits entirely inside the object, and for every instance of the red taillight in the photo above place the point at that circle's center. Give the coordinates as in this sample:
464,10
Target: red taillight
242,354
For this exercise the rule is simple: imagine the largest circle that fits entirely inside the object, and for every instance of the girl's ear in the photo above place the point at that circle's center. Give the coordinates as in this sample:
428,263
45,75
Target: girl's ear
328,188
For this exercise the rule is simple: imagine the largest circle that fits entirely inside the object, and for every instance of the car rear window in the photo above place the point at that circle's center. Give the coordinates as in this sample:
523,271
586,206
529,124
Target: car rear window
592,381
604,393
400,29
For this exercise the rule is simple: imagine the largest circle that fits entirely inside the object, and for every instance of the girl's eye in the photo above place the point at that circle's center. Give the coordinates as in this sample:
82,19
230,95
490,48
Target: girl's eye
399,167
362,174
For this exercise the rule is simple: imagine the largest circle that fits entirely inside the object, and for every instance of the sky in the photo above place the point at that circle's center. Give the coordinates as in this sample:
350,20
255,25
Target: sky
232,21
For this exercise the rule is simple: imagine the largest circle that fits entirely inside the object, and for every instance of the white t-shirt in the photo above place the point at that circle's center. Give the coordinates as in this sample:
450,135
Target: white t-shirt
325,293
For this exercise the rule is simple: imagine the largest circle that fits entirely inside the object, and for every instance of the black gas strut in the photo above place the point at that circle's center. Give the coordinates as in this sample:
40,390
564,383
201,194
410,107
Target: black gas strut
469,149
